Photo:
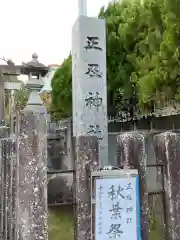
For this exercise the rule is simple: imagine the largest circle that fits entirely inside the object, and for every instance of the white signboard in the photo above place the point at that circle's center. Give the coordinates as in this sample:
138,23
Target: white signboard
117,209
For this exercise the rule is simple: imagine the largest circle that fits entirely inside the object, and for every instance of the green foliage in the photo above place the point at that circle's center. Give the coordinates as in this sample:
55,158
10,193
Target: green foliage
143,58
20,100
21,97
60,223
62,89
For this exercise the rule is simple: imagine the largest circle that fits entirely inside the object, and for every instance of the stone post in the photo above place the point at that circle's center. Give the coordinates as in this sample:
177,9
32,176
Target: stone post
7,160
89,95
89,88
1,155
10,158
2,94
86,149
133,156
82,7
167,149
32,195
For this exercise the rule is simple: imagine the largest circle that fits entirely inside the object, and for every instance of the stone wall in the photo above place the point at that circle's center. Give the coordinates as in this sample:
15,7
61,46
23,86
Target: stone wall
60,158
60,146
60,155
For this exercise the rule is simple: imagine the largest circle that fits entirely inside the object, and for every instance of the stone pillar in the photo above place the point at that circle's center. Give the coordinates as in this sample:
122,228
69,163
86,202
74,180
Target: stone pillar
2,94
1,156
89,86
9,153
167,147
6,171
133,156
86,149
32,194
82,7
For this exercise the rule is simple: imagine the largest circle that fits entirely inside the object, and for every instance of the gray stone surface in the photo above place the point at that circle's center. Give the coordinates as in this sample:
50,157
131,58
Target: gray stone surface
32,194
168,152
60,188
89,81
86,161
133,156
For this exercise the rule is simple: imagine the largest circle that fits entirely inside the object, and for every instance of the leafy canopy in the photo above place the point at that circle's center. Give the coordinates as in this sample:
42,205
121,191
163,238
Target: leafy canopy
143,58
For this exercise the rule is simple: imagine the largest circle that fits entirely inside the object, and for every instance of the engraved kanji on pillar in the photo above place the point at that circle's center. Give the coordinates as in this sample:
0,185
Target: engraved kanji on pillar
89,81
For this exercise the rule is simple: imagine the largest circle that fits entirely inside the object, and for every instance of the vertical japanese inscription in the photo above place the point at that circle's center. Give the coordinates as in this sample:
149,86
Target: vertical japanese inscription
100,219
119,209
93,68
115,194
93,100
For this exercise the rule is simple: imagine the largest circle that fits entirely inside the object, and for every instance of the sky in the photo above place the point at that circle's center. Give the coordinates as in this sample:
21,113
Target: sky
40,26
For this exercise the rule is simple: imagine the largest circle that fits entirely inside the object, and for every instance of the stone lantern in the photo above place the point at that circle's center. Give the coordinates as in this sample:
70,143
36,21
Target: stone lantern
35,72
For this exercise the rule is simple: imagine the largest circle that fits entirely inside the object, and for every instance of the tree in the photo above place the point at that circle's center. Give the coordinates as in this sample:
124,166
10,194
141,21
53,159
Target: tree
21,97
62,89
121,19
118,68
142,58
149,36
